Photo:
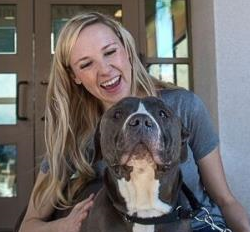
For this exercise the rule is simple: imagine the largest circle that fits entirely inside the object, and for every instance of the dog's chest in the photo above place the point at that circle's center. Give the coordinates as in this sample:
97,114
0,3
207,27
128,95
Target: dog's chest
141,194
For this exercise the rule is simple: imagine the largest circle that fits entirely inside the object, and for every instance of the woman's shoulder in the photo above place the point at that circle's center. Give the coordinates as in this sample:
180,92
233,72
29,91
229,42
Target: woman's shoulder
179,98
176,92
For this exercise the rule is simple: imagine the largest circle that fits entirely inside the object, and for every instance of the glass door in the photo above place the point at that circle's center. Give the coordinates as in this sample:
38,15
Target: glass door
16,109
50,16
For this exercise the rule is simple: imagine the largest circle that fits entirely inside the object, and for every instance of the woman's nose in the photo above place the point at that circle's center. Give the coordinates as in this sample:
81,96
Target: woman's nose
104,67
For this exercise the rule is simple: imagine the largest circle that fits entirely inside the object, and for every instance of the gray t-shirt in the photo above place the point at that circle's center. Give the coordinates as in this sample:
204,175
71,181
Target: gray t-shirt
202,140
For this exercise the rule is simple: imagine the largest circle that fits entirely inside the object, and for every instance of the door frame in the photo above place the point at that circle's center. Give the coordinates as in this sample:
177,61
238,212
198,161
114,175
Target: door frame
20,134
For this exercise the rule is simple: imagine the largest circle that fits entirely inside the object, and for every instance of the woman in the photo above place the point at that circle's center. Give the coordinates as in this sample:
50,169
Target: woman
95,65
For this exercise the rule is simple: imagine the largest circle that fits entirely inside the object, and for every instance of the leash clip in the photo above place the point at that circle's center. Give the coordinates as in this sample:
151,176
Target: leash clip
209,220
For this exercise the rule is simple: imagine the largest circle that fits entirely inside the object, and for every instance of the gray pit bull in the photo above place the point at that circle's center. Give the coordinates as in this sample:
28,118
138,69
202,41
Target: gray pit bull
141,142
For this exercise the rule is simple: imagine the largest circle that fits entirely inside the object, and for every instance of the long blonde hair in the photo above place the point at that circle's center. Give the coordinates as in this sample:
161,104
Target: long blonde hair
72,112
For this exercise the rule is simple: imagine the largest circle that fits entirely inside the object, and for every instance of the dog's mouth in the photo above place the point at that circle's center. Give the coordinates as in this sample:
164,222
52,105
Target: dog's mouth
141,153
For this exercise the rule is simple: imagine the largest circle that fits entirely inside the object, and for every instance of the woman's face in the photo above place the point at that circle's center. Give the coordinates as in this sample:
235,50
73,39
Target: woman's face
100,63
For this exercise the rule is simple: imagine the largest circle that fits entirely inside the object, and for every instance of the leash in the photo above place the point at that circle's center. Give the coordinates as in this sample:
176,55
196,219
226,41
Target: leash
207,218
197,207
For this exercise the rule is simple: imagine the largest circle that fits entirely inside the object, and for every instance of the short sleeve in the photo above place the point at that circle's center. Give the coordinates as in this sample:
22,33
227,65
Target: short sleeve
195,117
203,138
44,166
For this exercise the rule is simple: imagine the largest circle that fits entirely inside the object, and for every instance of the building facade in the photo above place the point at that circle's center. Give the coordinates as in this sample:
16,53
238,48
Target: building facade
201,45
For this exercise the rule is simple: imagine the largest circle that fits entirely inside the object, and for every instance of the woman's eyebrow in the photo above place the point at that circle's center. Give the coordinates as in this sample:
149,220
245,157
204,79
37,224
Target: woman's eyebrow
86,57
81,59
108,45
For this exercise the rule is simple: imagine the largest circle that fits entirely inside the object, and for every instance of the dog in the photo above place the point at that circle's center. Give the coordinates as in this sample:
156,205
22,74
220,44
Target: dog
141,141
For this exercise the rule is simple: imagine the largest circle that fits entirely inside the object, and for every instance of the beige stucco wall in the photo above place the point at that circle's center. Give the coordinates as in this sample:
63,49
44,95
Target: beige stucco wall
221,50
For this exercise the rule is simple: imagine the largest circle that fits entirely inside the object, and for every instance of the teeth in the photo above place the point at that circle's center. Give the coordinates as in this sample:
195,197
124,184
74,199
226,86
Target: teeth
110,82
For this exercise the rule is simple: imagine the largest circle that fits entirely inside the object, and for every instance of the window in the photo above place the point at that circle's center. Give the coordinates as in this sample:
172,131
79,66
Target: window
167,48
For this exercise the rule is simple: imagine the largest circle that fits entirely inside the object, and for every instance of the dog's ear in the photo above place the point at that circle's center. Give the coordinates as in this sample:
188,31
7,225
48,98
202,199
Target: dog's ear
97,154
184,147
93,148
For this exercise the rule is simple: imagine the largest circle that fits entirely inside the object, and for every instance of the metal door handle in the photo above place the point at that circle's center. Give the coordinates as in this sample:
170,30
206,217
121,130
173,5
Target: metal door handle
44,82
22,118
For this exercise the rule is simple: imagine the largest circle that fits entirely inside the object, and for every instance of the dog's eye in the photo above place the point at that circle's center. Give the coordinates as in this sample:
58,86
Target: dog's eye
163,114
117,114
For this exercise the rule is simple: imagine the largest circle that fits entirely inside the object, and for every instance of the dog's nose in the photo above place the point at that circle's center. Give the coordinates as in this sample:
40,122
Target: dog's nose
140,120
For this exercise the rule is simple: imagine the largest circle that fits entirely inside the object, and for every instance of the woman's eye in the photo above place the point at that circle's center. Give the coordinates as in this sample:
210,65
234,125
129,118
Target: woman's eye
82,66
110,52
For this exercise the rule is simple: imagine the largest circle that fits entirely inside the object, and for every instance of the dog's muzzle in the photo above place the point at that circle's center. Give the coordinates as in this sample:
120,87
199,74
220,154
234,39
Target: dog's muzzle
141,121
141,124
141,135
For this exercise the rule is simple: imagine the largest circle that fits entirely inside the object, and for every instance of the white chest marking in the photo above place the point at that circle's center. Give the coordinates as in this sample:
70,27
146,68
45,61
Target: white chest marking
141,110
141,193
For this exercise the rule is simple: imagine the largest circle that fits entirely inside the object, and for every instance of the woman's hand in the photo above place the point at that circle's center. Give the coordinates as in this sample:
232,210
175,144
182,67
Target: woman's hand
73,222
36,219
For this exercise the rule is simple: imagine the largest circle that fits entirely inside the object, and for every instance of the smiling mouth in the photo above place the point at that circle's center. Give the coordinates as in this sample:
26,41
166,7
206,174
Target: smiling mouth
111,83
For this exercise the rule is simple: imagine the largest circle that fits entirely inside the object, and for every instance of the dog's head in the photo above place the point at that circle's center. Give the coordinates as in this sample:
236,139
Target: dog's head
141,130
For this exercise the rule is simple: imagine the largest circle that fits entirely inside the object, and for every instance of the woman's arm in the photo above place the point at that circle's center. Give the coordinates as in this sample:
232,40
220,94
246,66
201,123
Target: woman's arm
34,220
214,180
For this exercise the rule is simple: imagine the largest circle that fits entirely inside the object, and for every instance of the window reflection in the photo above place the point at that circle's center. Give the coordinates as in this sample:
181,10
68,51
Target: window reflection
62,13
174,73
8,98
8,36
8,183
166,28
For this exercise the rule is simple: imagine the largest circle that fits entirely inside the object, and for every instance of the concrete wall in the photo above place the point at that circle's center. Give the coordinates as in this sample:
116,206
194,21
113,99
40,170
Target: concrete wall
221,45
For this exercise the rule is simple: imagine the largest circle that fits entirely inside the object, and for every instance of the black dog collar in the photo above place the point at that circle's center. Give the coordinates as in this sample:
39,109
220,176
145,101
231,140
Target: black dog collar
178,214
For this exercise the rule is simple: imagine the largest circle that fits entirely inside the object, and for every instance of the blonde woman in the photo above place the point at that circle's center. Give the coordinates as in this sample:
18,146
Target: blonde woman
95,65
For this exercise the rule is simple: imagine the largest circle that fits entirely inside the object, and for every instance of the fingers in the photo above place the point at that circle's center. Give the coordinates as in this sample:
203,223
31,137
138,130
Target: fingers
88,202
81,209
73,222
85,204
